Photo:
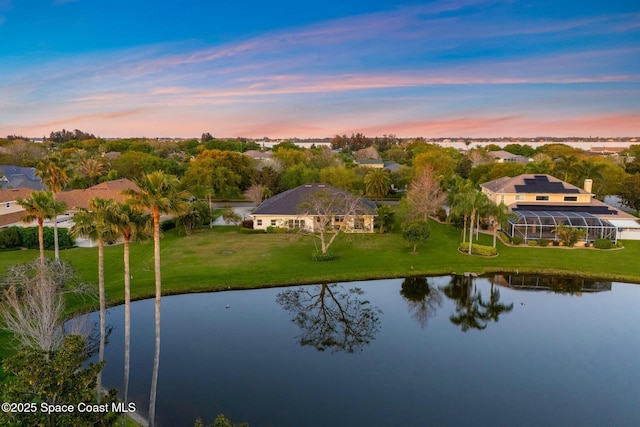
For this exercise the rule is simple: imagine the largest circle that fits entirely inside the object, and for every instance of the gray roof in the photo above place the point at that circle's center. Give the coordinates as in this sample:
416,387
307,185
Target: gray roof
16,176
288,202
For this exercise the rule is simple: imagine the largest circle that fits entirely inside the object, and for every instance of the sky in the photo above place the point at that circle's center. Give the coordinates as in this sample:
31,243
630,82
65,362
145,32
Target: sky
314,69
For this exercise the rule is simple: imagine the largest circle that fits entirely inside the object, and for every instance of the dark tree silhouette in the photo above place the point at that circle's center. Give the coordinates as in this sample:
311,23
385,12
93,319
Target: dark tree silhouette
422,299
331,317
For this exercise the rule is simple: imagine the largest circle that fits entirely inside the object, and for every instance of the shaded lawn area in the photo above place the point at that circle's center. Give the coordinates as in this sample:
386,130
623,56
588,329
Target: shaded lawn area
222,258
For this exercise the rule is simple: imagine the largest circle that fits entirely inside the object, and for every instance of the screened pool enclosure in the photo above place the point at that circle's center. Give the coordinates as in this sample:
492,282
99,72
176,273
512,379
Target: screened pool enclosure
535,225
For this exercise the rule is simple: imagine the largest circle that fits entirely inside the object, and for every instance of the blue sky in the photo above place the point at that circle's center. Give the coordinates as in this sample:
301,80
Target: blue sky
314,69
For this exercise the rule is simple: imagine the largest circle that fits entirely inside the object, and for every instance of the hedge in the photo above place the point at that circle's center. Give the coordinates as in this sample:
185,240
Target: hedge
476,249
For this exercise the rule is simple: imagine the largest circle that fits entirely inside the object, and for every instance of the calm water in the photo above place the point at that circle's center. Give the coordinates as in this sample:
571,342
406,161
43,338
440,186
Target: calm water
440,351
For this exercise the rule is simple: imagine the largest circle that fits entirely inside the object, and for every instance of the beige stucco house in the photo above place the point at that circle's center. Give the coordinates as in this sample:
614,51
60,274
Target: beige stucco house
291,210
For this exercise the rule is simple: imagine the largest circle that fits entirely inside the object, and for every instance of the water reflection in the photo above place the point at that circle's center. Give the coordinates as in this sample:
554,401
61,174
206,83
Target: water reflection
422,299
556,284
332,317
471,312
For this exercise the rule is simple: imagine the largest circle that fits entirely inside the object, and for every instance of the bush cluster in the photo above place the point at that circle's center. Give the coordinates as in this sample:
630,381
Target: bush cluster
329,256
603,244
247,223
167,225
517,240
243,230
543,242
532,243
277,230
476,249
13,238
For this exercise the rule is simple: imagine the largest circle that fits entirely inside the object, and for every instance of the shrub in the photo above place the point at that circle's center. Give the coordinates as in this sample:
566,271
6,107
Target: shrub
167,225
10,238
277,230
517,240
556,243
543,242
587,244
247,223
532,243
441,214
476,249
603,244
324,257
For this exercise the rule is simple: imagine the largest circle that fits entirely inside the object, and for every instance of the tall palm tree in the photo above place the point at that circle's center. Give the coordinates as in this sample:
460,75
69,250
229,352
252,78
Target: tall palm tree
98,223
377,183
460,199
130,223
159,193
55,177
479,204
565,163
40,205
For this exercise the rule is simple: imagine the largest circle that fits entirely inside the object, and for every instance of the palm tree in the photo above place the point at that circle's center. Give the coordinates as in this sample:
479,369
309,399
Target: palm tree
130,223
158,193
500,214
460,200
40,205
565,163
92,169
98,223
377,183
55,177
479,204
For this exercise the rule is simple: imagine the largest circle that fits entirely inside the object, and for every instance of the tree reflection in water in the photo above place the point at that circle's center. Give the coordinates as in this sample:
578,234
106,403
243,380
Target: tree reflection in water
471,311
422,299
332,317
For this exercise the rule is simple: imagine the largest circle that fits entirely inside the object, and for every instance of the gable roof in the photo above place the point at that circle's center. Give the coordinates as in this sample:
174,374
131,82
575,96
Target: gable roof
532,183
105,190
12,194
288,202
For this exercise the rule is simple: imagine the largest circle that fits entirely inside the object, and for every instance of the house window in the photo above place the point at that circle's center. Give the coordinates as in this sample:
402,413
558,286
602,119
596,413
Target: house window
570,198
358,224
502,198
8,205
542,198
519,197
273,222
259,222
296,223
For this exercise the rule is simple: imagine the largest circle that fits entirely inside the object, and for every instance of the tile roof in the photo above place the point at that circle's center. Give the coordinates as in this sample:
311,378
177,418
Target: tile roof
288,202
105,190
12,194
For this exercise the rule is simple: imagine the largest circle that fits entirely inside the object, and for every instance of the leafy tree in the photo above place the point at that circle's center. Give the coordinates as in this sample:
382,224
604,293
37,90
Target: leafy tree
501,215
377,183
340,177
56,377
220,421
415,232
227,172
630,193
298,175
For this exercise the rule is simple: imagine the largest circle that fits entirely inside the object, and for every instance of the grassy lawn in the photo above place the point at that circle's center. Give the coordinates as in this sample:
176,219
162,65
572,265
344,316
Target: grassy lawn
222,258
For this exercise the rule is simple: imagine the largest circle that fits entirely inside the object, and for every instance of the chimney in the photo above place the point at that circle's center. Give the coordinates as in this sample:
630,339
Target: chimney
588,185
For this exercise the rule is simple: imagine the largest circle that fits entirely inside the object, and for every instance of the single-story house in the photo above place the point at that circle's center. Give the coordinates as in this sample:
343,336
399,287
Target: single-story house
10,211
288,210
542,202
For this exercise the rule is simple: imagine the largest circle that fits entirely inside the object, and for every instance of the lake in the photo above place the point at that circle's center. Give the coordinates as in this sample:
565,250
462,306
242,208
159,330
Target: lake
441,351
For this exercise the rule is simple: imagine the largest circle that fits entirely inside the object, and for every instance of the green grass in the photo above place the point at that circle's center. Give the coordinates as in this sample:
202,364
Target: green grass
222,259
